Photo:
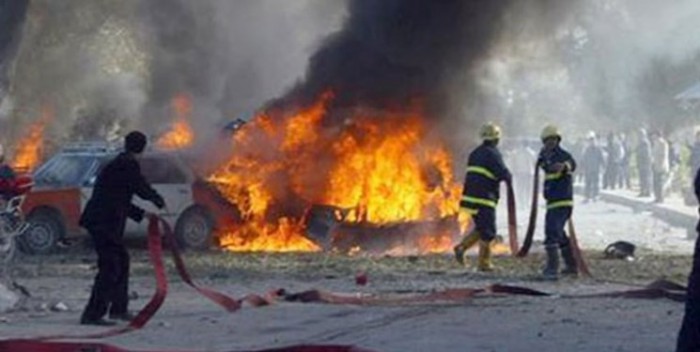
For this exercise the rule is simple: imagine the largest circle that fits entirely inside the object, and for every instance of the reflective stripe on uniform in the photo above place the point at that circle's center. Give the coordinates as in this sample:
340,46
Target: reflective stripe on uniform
560,204
481,171
554,176
469,211
480,201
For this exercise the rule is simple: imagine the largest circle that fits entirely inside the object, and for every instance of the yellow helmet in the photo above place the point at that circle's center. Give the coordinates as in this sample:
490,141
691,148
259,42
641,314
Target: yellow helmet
550,131
490,132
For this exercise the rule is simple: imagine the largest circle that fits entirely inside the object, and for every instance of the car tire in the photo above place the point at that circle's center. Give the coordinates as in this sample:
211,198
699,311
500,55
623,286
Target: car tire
195,229
44,231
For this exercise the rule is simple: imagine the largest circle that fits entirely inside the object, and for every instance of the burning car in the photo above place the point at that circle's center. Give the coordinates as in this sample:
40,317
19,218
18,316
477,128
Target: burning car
375,182
64,184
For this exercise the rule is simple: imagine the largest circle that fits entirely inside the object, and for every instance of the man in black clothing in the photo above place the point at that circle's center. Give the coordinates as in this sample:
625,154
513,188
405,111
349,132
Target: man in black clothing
689,336
105,218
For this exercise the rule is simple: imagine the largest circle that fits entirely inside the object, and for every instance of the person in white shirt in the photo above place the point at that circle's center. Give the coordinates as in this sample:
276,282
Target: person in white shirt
660,165
522,161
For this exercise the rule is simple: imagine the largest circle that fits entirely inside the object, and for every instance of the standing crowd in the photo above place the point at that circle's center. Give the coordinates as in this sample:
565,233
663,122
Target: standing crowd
647,162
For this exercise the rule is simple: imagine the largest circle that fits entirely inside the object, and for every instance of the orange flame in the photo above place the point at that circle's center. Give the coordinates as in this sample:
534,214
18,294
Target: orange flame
379,167
181,134
29,150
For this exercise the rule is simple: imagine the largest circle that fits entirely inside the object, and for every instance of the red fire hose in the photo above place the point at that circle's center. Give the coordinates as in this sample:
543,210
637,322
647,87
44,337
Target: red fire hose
41,344
525,249
578,254
658,289
512,220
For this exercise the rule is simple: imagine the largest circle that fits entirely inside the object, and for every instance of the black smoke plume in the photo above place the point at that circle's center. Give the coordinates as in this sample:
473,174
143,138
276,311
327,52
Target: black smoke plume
392,51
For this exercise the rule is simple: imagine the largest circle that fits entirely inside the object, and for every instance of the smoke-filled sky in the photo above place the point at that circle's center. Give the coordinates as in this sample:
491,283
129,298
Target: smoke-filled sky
613,63
12,15
232,56
102,64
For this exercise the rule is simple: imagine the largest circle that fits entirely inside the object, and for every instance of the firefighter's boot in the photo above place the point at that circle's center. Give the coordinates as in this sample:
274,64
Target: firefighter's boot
485,264
551,269
468,242
570,265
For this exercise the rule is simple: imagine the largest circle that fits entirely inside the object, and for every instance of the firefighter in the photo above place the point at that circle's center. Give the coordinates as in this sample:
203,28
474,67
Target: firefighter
558,166
485,170
689,335
105,217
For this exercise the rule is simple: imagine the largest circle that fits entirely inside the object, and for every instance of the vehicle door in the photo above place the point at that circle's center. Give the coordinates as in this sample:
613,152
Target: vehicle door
168,177
67,172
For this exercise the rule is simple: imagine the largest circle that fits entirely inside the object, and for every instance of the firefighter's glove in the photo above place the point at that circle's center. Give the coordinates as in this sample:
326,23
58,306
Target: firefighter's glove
159,202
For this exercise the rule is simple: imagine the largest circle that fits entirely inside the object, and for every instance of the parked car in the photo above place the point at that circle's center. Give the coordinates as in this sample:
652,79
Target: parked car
65,182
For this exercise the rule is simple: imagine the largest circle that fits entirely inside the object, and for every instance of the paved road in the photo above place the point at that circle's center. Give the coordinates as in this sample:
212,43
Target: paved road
603,222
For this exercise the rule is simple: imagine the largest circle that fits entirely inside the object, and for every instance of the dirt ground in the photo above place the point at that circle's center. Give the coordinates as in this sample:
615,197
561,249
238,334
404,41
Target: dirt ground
188,322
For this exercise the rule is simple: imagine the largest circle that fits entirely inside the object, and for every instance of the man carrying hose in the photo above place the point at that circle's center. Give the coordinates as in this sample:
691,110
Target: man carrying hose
558,166
689,336
105,217
480,196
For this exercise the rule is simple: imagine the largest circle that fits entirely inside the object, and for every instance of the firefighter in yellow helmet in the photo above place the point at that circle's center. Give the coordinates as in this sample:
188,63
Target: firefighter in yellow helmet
558,166
485,170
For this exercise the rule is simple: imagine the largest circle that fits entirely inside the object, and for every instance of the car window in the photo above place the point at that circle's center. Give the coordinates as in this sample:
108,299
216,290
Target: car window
66,171
162,170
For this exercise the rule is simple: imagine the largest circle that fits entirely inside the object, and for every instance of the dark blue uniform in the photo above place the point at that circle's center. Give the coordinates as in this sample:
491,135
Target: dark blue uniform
485,171
105,219
559,193
689,336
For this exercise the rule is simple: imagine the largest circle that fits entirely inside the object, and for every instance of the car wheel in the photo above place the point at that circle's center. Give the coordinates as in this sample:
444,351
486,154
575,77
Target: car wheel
194,229
44,231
